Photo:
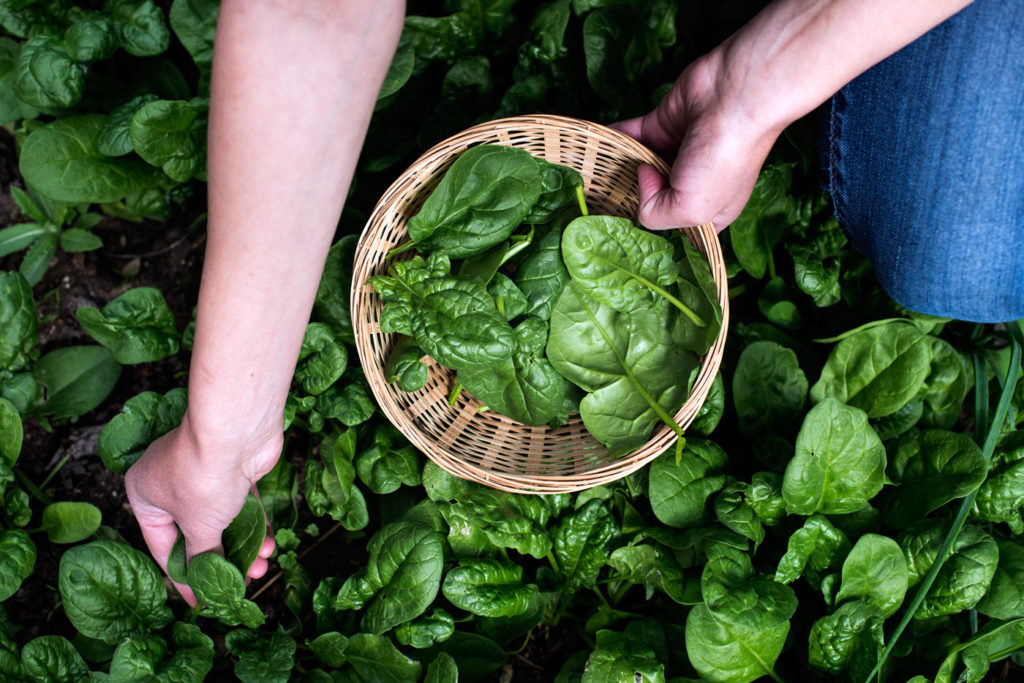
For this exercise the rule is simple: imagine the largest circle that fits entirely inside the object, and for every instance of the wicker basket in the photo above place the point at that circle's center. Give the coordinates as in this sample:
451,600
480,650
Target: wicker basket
487,447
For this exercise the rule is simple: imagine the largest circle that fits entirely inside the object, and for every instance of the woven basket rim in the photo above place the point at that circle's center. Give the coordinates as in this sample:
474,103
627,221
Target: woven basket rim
438,156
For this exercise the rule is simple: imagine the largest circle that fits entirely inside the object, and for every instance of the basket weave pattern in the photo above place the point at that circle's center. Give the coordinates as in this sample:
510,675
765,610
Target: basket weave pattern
487,447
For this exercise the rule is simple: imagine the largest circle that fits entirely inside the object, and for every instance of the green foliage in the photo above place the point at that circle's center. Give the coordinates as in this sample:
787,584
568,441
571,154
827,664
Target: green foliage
786,538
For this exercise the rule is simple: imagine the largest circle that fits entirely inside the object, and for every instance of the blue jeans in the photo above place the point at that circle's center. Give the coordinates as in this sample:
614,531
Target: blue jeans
923,156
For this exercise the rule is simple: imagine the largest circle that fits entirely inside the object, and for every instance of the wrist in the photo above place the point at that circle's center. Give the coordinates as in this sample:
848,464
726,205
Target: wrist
223,441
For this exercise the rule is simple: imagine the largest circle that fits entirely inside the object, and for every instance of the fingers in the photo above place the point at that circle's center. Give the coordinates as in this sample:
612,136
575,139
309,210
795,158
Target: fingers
631,127
160,533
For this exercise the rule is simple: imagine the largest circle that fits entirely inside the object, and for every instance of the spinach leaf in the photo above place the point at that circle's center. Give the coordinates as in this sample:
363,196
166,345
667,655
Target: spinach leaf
144,656
634,373
137,327
946,385
839,463
322,360
733,512
992,643
480,200
405,367
115,139
769,389
679,488
46,76
17,561
559,185
426,630
930,468
651,566
621,266
11,432
965,576
876,573
377,660
509,299
18,324
220,588
243,537
401,577
848,640
330,648
194,23
813,549
110,591
1000,498
53,658
879,369
70,522
77,379
489,588
542,274
143,419
711,411
171,134
763,221
390,462
739,637
483,519
442,670
262,659
617,657
582,540
453,320
526,387
62,160
330,488
331,304
1005,597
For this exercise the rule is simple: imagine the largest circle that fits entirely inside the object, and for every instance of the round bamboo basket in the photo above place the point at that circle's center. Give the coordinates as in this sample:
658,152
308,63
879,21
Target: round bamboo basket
487,447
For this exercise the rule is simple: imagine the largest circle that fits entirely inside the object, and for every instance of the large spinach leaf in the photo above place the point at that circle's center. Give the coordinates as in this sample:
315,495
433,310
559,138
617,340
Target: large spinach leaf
480,200
634,373
879,369
839,463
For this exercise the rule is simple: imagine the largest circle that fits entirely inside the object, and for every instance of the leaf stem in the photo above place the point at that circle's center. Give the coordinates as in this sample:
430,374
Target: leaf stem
453,395
582,200
34,490
56,468
404,246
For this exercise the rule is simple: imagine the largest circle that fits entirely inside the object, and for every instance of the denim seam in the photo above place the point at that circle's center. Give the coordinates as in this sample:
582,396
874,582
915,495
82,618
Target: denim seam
833,157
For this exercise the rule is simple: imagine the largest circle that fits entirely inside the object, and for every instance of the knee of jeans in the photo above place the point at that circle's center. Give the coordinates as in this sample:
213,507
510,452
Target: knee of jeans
977,281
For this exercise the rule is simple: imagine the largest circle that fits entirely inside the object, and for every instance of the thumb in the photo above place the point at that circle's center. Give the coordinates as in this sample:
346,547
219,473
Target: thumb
631,127
659,202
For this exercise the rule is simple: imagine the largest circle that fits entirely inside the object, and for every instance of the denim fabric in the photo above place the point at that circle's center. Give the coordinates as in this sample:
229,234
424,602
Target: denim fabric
923,156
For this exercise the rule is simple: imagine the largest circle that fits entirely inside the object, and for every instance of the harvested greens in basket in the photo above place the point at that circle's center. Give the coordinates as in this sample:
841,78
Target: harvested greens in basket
544,310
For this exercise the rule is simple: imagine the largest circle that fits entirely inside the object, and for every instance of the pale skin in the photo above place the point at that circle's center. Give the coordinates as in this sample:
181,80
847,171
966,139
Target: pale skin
293,89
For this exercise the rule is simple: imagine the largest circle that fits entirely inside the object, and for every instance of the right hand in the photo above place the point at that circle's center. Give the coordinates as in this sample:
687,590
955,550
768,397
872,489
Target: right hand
717,145
180,484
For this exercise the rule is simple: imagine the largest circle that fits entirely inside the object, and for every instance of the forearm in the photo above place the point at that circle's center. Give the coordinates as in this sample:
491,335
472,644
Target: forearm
796,53
293,89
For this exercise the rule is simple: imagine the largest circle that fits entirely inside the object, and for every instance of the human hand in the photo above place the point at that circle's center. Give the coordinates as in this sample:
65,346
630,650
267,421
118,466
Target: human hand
178,483
718,146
